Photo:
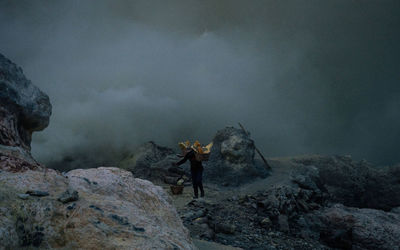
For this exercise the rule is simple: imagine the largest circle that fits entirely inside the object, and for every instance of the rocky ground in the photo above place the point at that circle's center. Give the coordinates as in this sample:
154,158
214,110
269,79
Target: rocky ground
293,209
86,209
305,202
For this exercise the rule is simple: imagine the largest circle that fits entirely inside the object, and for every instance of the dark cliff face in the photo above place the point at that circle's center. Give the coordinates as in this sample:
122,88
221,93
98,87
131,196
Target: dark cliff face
24,108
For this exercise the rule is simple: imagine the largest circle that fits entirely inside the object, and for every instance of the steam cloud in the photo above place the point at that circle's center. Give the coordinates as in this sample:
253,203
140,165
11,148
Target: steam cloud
302,76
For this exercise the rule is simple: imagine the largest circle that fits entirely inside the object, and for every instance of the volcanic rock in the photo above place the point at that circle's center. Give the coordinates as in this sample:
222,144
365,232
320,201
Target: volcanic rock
118,212
225,228
283,223
23,196
232,158
23,107
266,223
395,210
68,196
354,228
354,184
37,193
153,162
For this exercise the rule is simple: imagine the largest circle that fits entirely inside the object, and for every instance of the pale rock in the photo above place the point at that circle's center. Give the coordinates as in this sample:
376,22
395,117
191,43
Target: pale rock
114,211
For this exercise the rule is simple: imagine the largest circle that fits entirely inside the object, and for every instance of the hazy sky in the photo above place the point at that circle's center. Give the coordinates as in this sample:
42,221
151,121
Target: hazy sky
303,76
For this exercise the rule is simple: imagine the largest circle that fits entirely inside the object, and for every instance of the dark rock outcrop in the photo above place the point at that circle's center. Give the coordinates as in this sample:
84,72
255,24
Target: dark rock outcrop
344,227
242,223
366,194
232,158
153,162
354,184
68,196
24,108
296,207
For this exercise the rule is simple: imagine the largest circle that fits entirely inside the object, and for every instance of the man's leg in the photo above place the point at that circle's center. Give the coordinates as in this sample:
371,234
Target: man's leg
200,183
195,183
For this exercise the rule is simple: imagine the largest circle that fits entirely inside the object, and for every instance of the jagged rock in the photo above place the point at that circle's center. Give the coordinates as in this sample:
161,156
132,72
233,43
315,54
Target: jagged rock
37,193
72,206
252,226
395,210
118,211
201,220
23,110
208,234
152,162
232,158
283,223
23,196
225,228
289,201
306,177
190,216
68,196
353,228
266,223
15,159
23,107
235,146
294,203
356,184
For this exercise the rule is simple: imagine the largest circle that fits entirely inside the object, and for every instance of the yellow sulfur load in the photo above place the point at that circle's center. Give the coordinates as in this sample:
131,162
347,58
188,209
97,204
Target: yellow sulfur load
208,148
202,153
183,146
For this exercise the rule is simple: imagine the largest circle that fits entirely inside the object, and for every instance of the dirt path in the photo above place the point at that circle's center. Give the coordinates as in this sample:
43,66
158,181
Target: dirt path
217,194
280,175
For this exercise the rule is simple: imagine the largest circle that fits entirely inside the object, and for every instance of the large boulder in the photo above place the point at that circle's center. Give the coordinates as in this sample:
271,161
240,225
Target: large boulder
153,162
232,158
23,107
353,228
352,183
107,208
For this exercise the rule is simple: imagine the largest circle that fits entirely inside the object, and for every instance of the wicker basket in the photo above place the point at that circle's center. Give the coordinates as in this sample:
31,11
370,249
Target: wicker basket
202,157
175,189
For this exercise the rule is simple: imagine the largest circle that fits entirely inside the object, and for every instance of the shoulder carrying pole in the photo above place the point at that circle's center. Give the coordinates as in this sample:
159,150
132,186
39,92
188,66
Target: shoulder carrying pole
258,151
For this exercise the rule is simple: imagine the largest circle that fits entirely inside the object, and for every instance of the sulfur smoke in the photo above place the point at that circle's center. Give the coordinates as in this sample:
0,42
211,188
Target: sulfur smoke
303,76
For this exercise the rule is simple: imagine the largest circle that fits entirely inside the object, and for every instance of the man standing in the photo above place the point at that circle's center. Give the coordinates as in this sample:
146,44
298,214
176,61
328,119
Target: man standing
196,169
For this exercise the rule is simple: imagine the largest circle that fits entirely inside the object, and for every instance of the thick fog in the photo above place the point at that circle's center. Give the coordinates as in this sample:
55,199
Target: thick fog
304,77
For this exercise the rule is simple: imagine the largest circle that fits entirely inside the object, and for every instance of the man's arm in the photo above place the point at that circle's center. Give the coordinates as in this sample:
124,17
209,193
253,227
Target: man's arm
187,156
181,161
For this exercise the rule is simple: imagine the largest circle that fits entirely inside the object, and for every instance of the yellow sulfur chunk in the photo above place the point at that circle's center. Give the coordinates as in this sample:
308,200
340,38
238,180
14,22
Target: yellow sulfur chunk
207,149
182,145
